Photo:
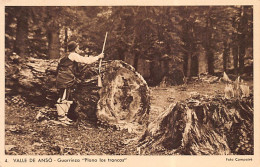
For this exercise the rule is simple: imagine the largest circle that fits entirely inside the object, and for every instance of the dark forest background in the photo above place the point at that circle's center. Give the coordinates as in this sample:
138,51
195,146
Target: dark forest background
156,40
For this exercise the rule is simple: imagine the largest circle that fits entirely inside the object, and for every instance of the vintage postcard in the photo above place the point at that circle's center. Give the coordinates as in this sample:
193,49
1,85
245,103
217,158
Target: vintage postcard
132,83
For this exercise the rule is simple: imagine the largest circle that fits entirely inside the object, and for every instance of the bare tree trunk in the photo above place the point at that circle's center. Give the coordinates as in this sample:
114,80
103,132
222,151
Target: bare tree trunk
208,45
210,56
189,66
194,65
66,39
9,18
121,54
225,56
166,67
242,38
235,57
152,73
242,50
21,42
54,44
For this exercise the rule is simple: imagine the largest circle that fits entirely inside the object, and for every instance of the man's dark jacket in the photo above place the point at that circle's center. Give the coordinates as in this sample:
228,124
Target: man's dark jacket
66,72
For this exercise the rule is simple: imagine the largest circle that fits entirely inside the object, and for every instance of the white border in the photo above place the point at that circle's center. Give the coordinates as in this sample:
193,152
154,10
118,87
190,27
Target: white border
151,161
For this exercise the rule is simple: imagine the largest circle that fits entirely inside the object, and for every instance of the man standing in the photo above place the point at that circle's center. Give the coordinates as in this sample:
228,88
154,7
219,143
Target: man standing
66,78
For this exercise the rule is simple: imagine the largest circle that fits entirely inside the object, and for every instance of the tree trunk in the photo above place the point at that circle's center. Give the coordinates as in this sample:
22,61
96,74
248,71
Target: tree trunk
151,80
242,27
121,54
166,67
54,44
66,40
189,66
202,126
21,41
235,57
156,73
194,65
208,44
242,51
9,19
123,100
210,56
225,56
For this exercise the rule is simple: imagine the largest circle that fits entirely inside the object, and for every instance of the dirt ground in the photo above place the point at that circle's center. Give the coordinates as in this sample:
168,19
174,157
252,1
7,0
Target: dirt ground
24,135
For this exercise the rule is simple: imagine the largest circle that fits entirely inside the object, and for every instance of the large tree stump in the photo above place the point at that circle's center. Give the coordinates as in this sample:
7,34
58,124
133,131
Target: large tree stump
122,101
204,126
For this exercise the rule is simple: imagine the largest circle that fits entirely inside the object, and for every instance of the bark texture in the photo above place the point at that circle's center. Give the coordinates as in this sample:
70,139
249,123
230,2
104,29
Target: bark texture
203,126
54,43
123,100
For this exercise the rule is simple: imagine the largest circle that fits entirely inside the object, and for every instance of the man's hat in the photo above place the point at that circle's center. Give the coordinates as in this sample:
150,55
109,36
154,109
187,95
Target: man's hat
72,46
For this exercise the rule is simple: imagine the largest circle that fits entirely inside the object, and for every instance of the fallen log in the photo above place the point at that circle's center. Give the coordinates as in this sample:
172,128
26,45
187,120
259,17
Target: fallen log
203,126
122,101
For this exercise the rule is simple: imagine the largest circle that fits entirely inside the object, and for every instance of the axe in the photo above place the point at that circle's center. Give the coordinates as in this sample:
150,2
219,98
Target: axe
100,61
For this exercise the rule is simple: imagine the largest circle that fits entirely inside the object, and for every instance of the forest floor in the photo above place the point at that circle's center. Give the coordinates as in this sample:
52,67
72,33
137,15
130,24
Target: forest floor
24,135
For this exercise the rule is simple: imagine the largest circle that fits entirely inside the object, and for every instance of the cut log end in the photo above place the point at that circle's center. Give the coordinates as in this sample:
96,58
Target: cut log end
123,98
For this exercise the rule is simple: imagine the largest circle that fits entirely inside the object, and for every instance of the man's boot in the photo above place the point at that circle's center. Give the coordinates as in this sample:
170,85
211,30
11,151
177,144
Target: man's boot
62,109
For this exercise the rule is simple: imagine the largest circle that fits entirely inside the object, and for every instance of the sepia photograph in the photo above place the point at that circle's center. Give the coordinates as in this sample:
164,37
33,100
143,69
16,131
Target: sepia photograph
124,81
